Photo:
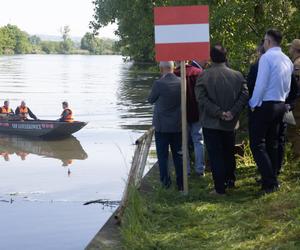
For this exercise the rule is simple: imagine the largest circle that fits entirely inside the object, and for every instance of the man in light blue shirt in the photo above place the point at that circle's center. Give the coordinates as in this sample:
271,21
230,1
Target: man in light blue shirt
268,107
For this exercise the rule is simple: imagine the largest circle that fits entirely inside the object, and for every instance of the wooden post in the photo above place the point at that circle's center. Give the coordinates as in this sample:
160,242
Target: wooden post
184,126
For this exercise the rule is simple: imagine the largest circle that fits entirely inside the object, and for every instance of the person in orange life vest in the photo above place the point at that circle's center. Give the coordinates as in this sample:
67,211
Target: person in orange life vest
6,109
67,162
23,112
5,155
22,155
67,114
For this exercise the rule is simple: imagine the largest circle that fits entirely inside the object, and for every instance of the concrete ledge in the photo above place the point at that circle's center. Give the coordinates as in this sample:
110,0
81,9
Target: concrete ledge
109,236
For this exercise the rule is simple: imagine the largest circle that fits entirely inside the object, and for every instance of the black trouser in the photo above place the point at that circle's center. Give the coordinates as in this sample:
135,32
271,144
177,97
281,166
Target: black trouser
281,144
264,124
220,148
163,141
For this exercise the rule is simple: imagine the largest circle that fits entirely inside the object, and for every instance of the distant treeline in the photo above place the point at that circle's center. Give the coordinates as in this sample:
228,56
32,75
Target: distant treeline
15,41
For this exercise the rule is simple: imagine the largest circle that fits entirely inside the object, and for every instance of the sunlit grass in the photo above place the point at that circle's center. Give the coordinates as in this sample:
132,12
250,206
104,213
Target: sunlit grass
244,219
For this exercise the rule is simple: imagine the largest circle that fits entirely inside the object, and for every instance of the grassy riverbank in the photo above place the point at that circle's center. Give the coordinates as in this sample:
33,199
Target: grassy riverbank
244,219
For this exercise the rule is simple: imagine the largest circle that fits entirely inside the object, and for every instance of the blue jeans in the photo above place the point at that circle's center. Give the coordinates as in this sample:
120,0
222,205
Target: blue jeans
163,141
195,133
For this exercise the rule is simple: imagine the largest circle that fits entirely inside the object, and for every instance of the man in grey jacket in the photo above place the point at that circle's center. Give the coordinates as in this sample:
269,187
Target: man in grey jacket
221,93
165,94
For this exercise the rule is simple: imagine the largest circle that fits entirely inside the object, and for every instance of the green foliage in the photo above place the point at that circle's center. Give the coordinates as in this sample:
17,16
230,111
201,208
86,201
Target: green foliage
97,46
66,45
50,47
238,24
243,219
35,40
13,40
7,43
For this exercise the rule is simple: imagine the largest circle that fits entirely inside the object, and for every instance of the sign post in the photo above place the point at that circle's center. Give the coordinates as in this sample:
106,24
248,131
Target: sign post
182,33
184,126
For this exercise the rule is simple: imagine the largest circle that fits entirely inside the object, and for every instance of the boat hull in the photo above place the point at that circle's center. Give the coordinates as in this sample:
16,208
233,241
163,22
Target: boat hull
41,128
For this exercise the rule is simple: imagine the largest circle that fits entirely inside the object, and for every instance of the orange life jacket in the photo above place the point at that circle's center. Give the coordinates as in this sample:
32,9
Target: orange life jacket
5,110
22,155
23,112
69,117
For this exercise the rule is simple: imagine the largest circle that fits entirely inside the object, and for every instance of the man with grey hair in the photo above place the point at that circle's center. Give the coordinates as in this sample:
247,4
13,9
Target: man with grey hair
166,97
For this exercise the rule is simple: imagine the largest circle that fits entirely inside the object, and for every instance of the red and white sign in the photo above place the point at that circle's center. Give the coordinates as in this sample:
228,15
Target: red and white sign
181,33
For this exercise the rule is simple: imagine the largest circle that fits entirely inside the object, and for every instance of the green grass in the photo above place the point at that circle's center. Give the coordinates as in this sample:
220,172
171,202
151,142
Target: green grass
244,219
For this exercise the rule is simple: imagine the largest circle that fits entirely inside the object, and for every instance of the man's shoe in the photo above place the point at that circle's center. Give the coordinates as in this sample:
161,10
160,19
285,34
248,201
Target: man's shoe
258,180
271,190
201,174
215,193
230,184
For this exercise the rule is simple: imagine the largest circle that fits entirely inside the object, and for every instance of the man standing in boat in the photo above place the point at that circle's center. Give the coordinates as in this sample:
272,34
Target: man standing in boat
6,109
67,114
23,112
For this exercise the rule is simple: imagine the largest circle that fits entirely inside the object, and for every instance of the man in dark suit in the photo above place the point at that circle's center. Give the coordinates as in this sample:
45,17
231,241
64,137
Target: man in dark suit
221,93
165,95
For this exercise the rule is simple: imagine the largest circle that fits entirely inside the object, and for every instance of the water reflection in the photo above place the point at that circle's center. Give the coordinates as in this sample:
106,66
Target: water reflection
103,90
136,82
65,150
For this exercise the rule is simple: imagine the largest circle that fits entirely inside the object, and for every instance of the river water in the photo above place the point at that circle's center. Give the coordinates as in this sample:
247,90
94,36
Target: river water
45,183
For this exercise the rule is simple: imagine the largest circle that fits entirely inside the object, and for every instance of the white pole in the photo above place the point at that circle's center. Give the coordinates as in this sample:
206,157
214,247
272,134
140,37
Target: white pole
184,126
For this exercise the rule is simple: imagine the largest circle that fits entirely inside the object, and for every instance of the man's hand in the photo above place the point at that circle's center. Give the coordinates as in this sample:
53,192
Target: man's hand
227,116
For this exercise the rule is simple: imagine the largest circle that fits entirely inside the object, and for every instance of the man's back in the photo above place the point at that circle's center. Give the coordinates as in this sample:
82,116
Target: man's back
166,96
224,85
218,90
273,79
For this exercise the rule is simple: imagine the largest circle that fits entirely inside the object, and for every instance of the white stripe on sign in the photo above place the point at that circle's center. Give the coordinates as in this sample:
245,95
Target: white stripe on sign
182,33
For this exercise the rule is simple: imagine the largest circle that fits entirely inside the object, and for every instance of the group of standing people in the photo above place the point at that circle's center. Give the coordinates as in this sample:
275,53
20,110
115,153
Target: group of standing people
215,98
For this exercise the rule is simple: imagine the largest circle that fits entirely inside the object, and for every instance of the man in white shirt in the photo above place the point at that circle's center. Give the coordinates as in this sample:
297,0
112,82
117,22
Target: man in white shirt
268,107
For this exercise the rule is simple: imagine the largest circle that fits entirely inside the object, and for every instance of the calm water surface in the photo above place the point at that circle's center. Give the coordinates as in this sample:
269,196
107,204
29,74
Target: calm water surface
45,183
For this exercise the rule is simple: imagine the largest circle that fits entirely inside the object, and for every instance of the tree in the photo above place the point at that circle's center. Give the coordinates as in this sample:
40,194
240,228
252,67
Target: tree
50,47
14,40
7,43
238,24
97,46
66,45
35,40
88,42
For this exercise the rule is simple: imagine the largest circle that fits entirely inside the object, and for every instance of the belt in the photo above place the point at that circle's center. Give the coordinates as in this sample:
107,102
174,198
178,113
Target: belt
274,102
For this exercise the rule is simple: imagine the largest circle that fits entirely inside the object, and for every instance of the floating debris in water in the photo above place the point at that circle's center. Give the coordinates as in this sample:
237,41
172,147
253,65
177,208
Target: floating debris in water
7,201
104,202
